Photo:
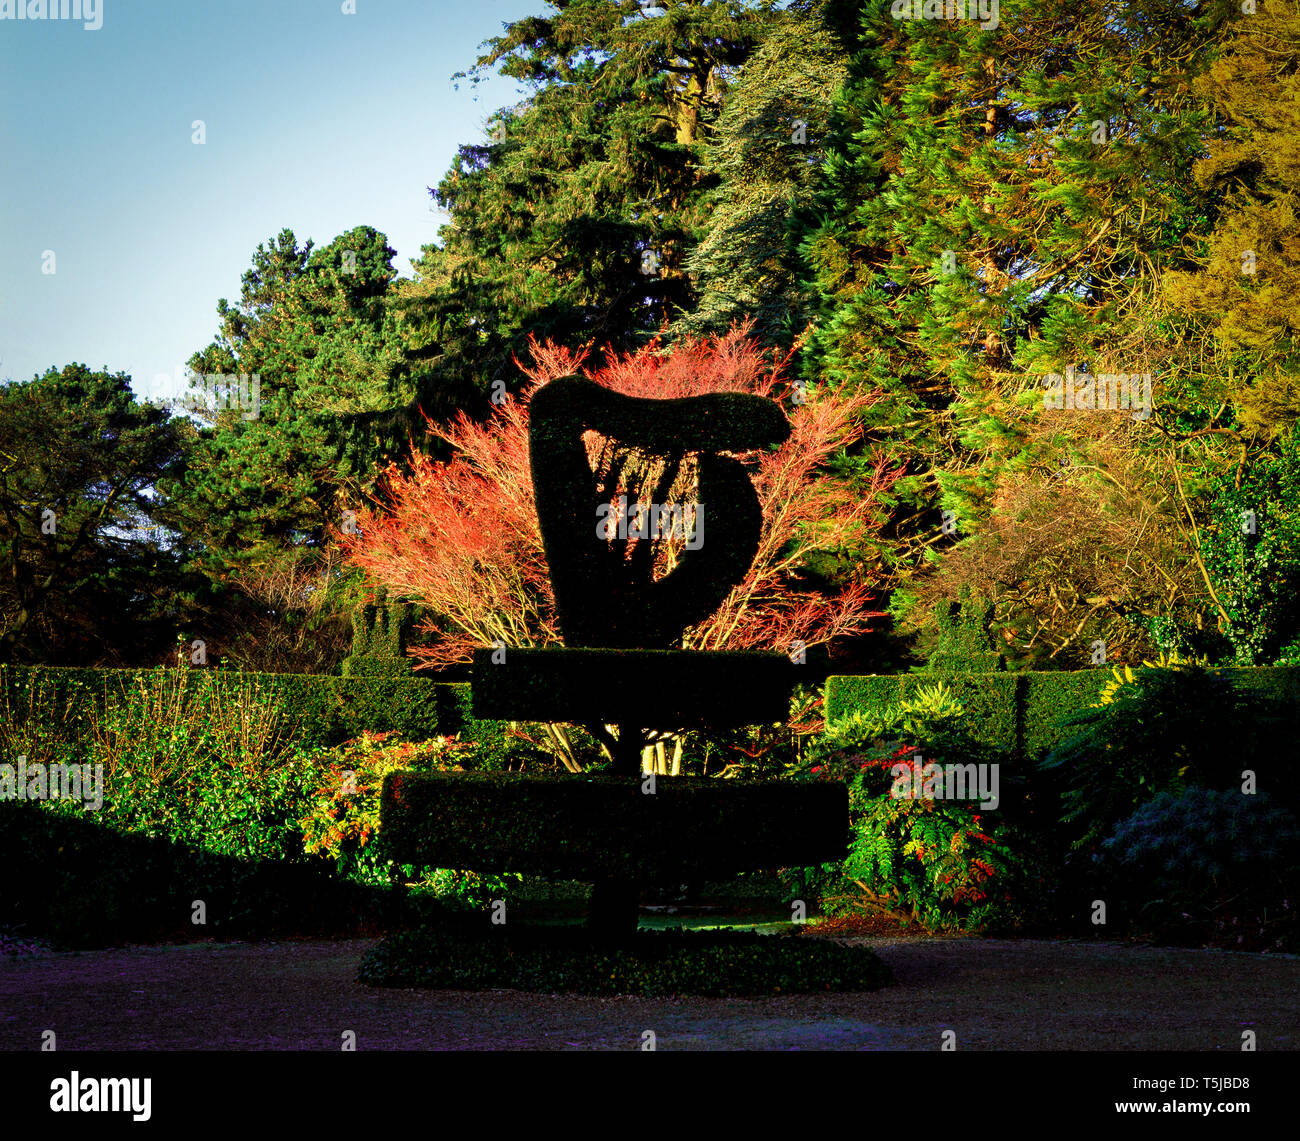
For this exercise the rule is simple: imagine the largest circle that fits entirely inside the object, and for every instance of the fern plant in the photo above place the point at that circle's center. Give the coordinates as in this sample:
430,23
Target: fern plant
945,863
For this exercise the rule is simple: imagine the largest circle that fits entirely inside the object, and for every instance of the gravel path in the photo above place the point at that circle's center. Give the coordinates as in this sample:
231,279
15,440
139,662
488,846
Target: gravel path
995,994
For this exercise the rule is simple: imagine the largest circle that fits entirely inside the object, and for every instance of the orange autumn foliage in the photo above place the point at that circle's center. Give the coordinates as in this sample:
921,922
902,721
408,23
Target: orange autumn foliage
462,537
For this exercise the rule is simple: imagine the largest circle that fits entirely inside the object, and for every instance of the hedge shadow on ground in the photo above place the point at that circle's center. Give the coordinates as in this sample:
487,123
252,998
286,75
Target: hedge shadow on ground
82,886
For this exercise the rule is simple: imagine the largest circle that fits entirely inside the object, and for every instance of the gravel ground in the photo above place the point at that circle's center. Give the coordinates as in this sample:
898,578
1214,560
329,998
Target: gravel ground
995,994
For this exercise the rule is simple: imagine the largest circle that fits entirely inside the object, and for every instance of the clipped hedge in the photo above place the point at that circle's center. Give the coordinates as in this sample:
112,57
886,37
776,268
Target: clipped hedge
580,826
379,633
1020,713
965,644
652,689
326,710
722,964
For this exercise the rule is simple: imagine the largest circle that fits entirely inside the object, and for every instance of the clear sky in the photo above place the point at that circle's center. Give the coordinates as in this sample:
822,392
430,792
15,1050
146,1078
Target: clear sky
315,120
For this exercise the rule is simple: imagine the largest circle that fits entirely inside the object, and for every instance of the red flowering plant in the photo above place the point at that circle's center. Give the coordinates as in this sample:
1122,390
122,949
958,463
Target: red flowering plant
915,850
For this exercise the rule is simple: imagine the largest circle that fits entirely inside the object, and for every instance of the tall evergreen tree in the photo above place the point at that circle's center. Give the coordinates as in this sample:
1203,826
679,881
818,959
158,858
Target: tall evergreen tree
999,205
322,401
573,221
1248,273
1232,445
765,153
86,577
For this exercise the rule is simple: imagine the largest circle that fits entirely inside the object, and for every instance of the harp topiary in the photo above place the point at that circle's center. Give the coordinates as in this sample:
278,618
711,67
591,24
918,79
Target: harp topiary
618,666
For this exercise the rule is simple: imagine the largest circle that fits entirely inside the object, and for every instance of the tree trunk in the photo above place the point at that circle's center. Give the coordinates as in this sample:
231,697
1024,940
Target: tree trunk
613,909
626,753
615,902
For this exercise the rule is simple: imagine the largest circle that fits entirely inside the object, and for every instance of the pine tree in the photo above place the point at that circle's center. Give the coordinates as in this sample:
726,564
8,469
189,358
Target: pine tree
322,400
86,575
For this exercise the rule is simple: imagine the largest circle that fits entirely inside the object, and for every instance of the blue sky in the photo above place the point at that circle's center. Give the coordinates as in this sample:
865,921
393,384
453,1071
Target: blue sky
315,120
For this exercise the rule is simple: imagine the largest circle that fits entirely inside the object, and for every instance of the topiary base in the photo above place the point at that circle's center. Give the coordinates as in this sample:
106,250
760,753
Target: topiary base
563,960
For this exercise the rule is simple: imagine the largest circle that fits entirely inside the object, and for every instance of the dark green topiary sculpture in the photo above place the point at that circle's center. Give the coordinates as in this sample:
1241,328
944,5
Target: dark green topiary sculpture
379,631
606,597
601,598
965,644
565,826
742,687
619,667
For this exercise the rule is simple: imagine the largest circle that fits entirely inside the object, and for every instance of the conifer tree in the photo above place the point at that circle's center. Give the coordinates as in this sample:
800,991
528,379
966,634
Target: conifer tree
290,447
765,154
322,406
573,220
1232,446
999,204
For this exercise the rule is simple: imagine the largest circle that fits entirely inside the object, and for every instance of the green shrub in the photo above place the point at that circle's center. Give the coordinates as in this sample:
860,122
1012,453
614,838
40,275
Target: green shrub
564,960
207,795
1160,730
949,863
343,822
1016,714
465,890
37,720
207,764
1207,865
202,791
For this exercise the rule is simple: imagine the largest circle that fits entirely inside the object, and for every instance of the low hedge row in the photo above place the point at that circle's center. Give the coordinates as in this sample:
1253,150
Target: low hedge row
722,964
1020,713
325,710
1016,712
